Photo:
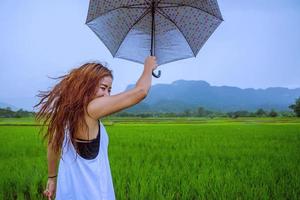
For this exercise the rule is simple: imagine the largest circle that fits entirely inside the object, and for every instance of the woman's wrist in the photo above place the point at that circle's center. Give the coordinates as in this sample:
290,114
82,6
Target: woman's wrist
147,71
51,177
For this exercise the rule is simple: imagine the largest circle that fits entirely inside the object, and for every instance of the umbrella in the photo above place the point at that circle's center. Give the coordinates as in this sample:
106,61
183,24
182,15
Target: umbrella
168,29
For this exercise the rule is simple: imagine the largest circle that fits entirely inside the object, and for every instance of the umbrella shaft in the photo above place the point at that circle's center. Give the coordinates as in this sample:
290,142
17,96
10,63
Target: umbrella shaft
152,28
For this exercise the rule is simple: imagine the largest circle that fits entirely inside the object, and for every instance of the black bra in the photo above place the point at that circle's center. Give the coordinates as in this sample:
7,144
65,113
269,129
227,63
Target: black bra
89,149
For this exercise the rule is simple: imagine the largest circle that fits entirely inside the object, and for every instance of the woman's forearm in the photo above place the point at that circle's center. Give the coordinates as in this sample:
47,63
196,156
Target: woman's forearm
52,161
145,80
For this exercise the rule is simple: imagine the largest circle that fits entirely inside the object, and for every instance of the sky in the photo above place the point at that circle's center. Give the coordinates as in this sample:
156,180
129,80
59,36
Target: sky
257,46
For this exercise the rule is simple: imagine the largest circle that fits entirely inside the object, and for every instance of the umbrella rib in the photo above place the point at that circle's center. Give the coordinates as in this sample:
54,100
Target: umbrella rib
128,6
167,17
139,19
138,4
174,5
134,7
148,3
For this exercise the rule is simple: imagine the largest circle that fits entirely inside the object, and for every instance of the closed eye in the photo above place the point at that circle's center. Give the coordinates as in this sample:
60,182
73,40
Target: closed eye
104,86
104,89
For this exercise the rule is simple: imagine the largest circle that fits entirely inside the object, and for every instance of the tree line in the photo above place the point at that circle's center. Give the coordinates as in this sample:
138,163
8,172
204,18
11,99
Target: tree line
8,113
202,112
198,112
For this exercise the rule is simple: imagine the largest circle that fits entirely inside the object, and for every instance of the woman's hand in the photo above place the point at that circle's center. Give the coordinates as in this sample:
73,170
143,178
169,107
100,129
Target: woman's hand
50,188
150,63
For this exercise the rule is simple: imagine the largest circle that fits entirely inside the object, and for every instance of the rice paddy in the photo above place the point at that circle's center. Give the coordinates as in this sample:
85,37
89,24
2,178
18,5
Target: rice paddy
171,158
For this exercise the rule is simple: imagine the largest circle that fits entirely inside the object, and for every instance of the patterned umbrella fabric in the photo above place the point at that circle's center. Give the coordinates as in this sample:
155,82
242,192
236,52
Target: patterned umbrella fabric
168,29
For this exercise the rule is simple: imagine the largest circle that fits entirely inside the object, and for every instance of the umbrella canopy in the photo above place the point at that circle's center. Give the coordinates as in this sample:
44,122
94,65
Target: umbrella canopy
168,29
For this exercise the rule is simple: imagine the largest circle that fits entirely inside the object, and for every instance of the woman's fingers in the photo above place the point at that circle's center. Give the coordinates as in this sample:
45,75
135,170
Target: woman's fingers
47,194
150,62
50,190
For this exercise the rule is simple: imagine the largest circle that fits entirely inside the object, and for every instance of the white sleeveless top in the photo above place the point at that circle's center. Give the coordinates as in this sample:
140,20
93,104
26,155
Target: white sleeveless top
82,179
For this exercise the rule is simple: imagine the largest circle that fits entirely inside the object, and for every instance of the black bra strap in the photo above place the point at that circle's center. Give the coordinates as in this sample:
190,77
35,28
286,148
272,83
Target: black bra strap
98,135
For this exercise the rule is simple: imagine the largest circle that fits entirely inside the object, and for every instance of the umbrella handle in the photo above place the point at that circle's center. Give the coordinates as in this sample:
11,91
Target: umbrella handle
156,75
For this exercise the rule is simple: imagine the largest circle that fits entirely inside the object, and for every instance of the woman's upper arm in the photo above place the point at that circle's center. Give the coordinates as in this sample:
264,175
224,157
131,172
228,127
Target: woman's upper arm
106,105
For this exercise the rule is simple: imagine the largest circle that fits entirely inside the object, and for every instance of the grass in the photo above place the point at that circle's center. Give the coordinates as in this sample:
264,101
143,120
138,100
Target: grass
209,159
29,121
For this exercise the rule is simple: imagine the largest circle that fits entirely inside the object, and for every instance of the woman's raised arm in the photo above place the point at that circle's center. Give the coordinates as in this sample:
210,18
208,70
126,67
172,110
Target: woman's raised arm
103,106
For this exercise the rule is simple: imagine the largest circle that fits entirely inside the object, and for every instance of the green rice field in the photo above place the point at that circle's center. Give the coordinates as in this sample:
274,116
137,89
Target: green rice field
171,158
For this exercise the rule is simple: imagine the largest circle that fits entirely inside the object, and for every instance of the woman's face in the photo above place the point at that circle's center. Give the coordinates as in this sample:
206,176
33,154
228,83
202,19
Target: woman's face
104,87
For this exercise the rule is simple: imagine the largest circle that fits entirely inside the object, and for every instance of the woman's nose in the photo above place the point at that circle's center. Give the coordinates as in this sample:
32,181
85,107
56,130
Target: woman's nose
106,93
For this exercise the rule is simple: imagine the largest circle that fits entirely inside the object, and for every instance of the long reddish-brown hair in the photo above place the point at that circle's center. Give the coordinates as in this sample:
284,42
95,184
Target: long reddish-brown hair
64,106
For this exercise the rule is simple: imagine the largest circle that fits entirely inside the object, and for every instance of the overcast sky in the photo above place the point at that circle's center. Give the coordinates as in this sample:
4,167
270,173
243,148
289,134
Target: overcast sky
257,46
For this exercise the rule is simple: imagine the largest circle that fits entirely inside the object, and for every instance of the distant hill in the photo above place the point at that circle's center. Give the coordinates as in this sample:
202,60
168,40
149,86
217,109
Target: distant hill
5,105
181,95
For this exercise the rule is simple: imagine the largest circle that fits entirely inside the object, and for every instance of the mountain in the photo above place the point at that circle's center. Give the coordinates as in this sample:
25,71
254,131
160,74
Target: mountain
181,95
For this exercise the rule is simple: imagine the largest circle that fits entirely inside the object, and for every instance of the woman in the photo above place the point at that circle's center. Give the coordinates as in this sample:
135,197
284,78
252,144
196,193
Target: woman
77,137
